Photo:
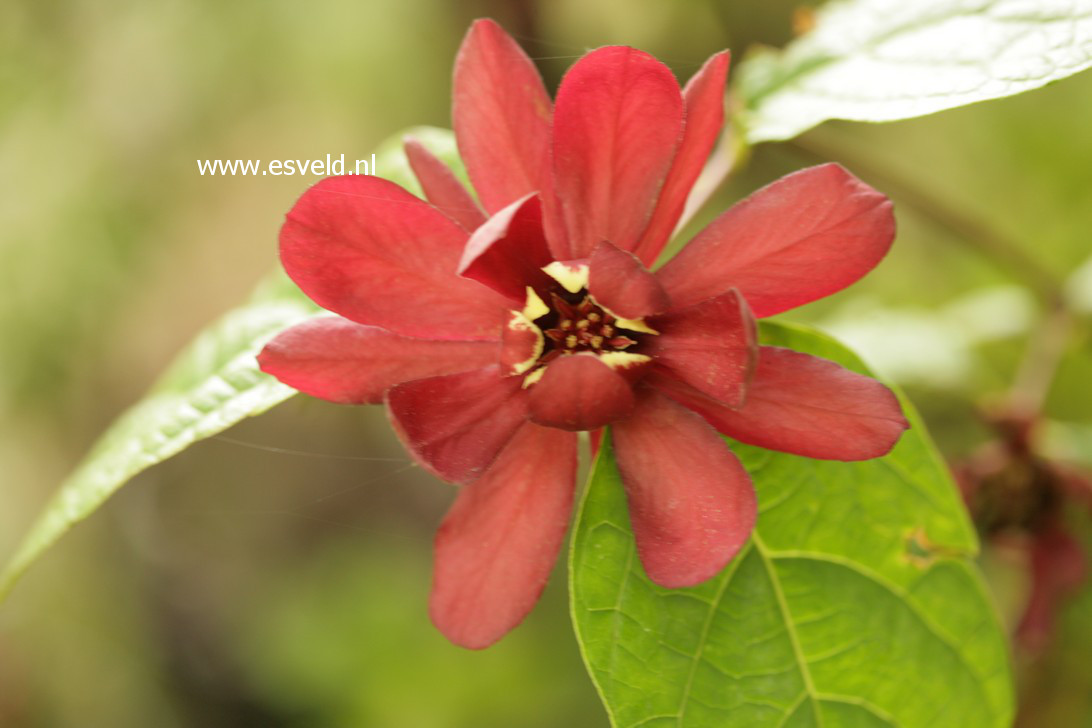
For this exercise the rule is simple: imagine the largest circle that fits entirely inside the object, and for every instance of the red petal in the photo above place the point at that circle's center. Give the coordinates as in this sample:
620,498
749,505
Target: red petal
501,113
442,188
618,281
616,125
365,248
341,361
579,392
691,503
805,405
456,424
508,252
711,346
521,344
799,239
704,97
498,543
595,439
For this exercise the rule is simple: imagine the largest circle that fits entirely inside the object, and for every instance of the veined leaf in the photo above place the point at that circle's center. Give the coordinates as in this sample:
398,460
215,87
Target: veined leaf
883,60
854,604
213,384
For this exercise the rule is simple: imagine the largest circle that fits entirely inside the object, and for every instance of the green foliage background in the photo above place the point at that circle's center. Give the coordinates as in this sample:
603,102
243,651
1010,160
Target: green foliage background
276,576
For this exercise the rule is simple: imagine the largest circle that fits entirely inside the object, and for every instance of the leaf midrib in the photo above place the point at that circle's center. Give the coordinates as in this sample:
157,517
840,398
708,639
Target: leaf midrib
790,628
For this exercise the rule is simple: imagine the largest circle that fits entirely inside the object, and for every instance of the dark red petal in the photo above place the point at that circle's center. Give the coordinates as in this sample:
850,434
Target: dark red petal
498,543
341,361
1058,568
365,248
691,503
712,346
501,113
442,188
804,237
508,252
704,98
456,424
619,282
579,392
617,122
804,405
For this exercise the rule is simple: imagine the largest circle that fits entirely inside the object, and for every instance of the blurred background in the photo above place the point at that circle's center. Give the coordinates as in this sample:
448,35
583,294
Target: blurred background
277,575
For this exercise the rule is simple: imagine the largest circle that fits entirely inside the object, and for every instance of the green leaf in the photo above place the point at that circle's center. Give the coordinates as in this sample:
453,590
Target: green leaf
854,604
213,384
883,60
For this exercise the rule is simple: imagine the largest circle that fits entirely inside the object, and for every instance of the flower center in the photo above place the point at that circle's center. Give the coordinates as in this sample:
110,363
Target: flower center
571,328
573,322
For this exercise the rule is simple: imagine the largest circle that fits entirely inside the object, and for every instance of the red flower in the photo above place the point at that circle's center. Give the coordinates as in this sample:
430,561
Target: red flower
492,341
1020,501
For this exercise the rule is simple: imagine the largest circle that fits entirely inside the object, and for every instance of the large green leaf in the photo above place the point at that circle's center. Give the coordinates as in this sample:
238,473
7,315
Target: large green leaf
854,604
882,60
213,384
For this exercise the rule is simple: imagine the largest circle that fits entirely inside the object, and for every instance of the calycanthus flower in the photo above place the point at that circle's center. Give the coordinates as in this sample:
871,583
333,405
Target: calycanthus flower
494,334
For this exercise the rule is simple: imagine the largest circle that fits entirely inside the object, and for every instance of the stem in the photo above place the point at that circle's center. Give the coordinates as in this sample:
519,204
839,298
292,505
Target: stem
1045,350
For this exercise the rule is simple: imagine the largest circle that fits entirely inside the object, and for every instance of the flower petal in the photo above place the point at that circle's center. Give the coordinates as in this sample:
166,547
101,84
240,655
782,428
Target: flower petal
801,238
456,424
498,543
704,99
365,248
521,345
442,188
712,346
337,360
617,122
805,405
580,392
691,503
508,252
501,114
619,282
